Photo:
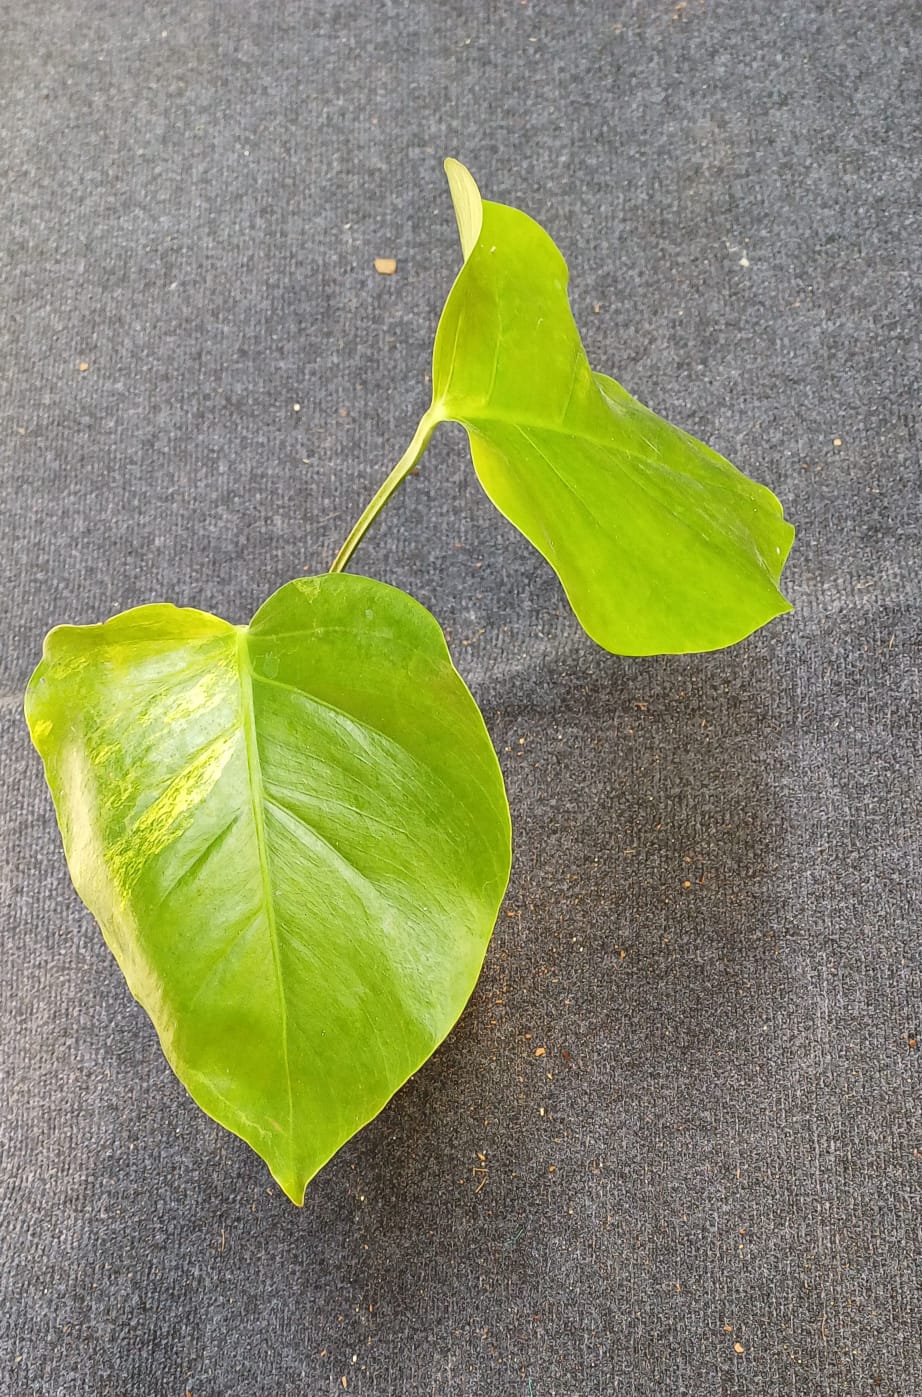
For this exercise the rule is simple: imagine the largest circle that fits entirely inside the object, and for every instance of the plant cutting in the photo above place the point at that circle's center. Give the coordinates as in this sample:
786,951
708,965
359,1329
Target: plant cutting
294,833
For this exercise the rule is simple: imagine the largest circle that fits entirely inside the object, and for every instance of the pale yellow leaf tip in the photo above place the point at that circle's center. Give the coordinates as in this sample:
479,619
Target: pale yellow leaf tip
467,203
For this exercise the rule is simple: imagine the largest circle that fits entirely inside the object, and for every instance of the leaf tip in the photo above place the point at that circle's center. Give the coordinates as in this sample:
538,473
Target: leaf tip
295,1193
291,1175
468,204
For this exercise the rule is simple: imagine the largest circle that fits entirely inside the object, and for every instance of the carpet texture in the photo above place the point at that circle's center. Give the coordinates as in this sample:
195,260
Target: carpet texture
711,1182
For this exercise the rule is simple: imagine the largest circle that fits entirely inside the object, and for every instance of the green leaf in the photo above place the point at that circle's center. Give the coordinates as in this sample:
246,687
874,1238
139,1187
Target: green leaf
295,837
661,545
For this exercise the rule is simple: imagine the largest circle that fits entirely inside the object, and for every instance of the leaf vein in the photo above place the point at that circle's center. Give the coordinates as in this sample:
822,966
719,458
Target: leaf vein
301,819
202,858
429,773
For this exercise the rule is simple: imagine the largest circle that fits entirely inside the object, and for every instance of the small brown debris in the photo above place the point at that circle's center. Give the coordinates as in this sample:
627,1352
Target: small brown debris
837,441
686,884
387,266
539,1052
738,1348
344,1380
83,366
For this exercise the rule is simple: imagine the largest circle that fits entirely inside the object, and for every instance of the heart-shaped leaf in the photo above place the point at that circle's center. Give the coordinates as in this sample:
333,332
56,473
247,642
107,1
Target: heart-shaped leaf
295,837
661,545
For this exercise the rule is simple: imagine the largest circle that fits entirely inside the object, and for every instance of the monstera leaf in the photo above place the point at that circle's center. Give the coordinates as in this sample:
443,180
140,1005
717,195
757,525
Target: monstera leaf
661,545
295,838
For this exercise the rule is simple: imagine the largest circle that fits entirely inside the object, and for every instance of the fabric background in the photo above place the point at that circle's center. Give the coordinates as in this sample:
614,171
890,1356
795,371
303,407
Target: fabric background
710,1184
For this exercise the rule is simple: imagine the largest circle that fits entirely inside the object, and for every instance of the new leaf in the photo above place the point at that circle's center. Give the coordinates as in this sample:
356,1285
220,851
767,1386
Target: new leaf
661,544
295,838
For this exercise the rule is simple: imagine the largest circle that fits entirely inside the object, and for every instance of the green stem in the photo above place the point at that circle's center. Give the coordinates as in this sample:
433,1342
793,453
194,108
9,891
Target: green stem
427,425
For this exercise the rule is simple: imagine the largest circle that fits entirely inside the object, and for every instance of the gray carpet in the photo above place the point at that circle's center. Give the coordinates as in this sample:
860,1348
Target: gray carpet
711,1182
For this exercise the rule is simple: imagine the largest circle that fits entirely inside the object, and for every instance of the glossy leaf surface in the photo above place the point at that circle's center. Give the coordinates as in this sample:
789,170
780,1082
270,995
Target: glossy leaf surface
295,837
661,544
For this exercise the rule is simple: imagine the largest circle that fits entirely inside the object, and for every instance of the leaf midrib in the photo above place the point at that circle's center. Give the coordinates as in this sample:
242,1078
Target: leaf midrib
483,412
257,791
633,467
